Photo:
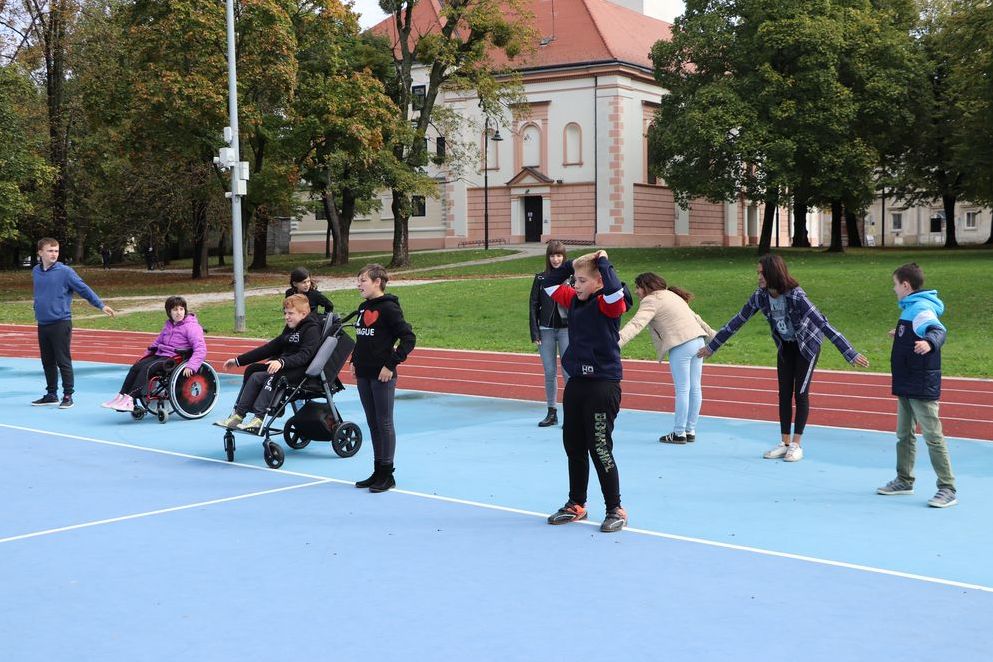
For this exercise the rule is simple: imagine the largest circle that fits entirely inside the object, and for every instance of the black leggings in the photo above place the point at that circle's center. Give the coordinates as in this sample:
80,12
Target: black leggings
136,382
795,373
590,407
377,400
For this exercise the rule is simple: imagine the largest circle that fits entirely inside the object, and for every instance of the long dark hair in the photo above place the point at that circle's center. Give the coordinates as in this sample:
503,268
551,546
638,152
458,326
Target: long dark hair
777,276
554,247
652,282
299,275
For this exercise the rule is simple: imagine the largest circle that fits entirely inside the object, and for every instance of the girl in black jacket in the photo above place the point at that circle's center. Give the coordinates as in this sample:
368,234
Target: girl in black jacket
383,339
302,283
549,328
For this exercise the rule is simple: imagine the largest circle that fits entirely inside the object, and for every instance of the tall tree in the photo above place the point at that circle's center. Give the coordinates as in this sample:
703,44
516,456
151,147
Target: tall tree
23,168
457,51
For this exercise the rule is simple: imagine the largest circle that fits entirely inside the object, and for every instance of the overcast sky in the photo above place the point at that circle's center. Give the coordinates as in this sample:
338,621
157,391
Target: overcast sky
372,14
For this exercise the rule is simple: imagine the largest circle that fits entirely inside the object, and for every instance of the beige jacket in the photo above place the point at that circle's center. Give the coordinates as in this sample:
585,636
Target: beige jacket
671,320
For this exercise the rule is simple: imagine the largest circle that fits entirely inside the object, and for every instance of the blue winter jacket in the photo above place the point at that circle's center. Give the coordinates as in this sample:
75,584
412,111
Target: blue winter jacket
918,376
53,288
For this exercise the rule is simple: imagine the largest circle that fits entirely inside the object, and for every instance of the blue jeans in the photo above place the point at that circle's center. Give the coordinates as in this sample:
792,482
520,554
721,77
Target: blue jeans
687,371
552,341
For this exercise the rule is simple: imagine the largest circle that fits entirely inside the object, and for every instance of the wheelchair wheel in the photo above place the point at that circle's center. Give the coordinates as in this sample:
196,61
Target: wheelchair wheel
293,438
138,413
161,412
347,440
272,454
193,397
229,445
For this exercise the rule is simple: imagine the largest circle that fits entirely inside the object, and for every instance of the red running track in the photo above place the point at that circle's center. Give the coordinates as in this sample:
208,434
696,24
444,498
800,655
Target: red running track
842,399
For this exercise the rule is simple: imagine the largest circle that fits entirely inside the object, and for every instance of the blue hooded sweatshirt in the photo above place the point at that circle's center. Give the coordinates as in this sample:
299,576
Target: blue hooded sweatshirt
53,288
918,376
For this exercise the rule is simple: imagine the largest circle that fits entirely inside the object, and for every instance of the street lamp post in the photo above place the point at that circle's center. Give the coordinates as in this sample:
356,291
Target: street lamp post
486,181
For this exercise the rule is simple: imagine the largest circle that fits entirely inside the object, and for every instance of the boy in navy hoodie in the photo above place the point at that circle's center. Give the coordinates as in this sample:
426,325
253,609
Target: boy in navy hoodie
916,365
593,393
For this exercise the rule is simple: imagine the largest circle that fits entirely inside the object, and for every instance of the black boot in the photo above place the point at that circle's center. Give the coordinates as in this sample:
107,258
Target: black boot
551,418
376,470
385,481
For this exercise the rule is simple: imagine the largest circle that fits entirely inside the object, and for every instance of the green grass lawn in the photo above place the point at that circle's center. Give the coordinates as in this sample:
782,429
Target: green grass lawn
854,290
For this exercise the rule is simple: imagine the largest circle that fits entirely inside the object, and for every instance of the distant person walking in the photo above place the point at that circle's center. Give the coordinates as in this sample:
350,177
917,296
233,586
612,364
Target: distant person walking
54,284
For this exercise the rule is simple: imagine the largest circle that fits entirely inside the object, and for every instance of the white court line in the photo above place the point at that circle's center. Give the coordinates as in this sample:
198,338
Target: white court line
160,511
478,504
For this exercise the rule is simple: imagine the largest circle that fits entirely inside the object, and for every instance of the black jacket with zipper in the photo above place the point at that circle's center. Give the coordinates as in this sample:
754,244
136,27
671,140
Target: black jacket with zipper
294,347
542,311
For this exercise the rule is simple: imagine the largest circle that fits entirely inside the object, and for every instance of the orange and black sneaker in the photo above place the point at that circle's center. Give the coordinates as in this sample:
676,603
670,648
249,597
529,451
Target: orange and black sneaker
615,520
570,512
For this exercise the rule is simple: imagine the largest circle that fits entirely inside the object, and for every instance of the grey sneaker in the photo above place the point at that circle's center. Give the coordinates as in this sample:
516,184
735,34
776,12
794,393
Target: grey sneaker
67,402
231,421
615,520
943,499
252,426
47,399
896,486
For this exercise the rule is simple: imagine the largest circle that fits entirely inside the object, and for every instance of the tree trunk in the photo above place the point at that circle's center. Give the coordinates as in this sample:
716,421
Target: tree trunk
221,242
333,235
948,201
55,37
836,220
800,237
260,238
401,229
82,229
768,218
852,227
201,266
345,219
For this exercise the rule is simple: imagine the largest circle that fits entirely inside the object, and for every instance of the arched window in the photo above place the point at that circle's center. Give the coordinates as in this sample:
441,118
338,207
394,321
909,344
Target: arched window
572,145
531,140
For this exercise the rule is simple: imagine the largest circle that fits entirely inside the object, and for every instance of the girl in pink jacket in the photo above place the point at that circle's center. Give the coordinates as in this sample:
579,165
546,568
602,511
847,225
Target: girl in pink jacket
182,332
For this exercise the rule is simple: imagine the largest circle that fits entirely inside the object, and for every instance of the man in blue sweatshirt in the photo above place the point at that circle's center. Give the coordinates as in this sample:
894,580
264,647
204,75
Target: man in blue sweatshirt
54,284
916,365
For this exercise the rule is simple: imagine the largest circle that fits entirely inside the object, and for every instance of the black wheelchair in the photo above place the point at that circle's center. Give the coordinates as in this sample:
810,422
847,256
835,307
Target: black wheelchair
169,391
315,415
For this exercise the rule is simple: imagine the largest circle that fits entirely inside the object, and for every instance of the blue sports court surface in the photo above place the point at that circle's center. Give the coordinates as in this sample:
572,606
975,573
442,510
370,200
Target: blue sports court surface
125,540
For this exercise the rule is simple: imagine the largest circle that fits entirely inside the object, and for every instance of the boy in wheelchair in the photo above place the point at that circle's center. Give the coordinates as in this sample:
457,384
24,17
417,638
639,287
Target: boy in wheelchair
284,357
181,335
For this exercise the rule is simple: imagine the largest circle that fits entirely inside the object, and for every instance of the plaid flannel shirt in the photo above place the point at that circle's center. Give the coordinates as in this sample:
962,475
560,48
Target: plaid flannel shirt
810,324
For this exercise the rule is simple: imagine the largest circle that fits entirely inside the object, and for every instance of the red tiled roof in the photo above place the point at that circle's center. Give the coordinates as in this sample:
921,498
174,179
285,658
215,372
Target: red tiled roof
580,31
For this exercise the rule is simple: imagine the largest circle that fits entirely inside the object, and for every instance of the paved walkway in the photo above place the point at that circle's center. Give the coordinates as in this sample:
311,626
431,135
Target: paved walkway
325,283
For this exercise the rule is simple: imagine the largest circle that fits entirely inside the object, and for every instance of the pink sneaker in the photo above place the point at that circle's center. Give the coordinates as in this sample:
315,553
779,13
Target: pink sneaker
126,404
111,404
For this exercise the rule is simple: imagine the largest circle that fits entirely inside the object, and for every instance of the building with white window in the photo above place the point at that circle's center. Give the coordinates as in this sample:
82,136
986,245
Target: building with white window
571,161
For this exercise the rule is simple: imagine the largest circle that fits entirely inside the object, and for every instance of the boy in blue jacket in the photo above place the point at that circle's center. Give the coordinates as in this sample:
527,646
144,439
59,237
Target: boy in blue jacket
593,393
916,365
54,285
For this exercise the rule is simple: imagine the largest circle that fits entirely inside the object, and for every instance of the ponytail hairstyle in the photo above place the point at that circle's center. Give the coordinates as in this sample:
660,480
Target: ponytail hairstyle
777,276
301,274
555,247
652,282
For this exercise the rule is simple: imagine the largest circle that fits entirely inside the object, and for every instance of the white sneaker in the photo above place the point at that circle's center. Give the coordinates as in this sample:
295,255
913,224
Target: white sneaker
776,453
793,453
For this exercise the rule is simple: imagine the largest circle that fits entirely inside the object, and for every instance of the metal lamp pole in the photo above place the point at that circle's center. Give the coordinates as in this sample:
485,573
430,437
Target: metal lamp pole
486,180
237,177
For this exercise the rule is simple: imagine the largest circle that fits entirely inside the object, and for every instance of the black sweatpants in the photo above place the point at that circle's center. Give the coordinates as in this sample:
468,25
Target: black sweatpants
590,407
257,390
55,341
136,382
795,373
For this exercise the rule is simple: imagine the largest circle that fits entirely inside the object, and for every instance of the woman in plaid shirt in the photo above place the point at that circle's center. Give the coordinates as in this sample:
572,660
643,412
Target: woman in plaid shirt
798,329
